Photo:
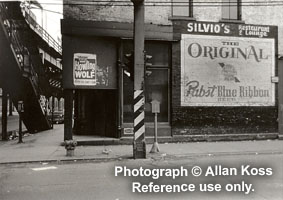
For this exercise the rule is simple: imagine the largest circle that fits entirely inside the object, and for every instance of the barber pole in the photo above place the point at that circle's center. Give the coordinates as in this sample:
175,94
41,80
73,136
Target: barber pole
139,144
139,127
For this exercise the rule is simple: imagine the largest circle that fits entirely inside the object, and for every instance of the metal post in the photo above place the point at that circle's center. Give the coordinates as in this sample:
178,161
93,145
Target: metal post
155,147
155,127
20,128
4,115
52,112
20,110
139,145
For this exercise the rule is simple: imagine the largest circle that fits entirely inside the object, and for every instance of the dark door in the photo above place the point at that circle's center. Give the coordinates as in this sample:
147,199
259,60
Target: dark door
104,113
97,114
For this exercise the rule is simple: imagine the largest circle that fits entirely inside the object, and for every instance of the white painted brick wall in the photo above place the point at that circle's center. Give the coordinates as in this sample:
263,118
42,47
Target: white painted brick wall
267,15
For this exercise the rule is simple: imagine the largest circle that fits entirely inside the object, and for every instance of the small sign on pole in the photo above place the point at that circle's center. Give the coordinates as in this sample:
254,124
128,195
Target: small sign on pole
155,108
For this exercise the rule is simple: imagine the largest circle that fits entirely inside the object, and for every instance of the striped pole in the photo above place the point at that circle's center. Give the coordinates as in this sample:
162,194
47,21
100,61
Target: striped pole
139,126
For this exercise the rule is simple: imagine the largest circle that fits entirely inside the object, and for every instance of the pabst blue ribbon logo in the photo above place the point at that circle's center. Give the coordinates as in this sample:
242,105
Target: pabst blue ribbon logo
229,72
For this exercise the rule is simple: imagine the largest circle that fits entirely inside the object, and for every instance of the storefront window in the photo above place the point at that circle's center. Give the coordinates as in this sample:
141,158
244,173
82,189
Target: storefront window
156,86
128,95
156,82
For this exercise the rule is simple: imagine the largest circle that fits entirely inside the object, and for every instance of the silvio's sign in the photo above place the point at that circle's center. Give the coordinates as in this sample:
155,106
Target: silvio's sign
227,65
224,29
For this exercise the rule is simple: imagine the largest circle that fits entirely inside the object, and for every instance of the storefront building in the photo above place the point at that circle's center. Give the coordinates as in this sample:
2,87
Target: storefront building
213,71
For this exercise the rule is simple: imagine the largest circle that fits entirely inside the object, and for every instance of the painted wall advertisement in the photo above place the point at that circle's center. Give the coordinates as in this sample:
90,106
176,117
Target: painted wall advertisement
86,72
218,70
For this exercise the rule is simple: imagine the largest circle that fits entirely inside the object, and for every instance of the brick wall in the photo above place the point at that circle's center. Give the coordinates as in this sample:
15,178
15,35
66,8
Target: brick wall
252,14
267,15
112,12
216,120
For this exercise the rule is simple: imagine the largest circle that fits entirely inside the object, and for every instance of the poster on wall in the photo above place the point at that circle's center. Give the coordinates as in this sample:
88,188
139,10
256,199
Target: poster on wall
227,71
86,71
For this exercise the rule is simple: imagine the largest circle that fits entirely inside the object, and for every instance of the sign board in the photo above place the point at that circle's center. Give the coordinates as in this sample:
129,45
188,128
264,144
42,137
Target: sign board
224,29
155,106
217,70
89,63
86,72
20,106
128,131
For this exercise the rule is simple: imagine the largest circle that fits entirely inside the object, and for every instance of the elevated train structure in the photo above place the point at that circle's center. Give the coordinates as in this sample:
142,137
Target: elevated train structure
30,64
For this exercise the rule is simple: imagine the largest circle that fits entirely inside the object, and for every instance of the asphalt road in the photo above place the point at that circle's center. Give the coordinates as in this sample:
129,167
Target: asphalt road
97,180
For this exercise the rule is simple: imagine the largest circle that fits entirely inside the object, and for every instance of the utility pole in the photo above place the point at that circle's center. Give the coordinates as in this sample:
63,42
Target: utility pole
139,145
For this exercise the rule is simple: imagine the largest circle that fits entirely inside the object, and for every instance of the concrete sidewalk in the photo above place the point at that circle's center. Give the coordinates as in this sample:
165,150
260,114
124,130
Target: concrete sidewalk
12,124
45,147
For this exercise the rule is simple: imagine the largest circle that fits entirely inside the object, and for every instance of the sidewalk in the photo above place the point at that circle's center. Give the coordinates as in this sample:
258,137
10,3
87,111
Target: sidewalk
12,123
45,147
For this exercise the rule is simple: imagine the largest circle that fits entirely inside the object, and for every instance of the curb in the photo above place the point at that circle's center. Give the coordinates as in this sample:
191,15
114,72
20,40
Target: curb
150,156
184,139
67,160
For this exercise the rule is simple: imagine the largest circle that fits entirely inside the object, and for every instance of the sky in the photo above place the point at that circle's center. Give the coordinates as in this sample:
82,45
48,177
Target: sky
49,17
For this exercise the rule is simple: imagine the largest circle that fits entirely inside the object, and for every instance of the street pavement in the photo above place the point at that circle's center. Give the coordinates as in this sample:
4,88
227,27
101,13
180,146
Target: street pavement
40,169
97,180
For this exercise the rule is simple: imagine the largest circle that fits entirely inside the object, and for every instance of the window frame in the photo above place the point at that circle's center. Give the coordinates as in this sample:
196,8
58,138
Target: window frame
153,67
238,7
190,9
168,69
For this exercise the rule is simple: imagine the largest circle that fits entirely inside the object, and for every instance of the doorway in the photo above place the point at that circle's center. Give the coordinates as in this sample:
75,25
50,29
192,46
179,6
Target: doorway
96,113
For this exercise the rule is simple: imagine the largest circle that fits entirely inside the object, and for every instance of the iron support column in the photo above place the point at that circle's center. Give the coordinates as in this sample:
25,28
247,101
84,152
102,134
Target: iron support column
4,114
68,114
20,128
10,106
